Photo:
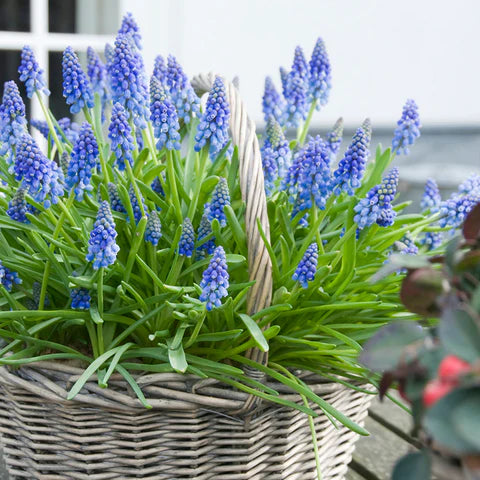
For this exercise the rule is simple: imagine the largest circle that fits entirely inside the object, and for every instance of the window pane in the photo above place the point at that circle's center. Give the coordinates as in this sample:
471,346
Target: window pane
10,60
62,16
15,15
94,17
55,79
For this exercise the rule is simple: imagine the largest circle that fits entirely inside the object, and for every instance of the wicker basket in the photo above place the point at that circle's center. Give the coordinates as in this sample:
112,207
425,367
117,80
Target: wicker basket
197,429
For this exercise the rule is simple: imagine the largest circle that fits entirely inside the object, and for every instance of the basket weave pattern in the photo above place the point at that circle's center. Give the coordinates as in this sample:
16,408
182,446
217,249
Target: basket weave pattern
197,429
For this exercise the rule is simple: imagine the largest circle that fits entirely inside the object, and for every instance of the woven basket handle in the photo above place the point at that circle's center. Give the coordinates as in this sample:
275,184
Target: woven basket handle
253,194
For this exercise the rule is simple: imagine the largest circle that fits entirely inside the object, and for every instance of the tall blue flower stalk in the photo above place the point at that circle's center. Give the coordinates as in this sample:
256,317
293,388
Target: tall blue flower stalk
31,74
153,230
12,120
350,170
120,134
127,81
273,105
334,138
213,126
160,70
276,154
205,229
115,200
8,277
408,128
320,77
84,159
129,27
311,176
376,207
102,246
135,202
17,207
183,97
455,209
186,243
215,278
431,198
471,184
97,73
307,267
41,177
76,88
163,117
157,187
220,199
296,91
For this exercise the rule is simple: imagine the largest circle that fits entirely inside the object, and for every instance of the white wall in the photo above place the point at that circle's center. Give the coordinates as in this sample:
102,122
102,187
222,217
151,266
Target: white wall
382,52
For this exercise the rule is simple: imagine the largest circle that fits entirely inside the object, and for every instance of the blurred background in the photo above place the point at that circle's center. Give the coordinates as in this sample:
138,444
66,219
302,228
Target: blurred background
382,52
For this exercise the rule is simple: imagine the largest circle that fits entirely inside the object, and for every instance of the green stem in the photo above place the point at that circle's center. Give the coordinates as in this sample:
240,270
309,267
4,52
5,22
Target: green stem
131,177
58,228
203,157
50,124
304,131
314,214
101,343
172,184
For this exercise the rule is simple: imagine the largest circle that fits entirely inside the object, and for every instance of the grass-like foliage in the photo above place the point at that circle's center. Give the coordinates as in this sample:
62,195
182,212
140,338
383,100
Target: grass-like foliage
123,246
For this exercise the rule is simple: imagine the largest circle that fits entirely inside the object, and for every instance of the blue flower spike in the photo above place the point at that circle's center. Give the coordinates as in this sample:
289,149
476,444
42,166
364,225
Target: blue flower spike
31,74
157,187
431,198
377,205
205,229
186,244
127,81
137,211
84,159
97,73
307,266
12,120
408,128
76,87
272,102
102,246
17,207
8,277
320,78
129,27
160,70
296,91
455,209
334,138
153,230
115,201
80,299
41,177
215,278
213,126
348,175
163,117
120,134
181,91
220,199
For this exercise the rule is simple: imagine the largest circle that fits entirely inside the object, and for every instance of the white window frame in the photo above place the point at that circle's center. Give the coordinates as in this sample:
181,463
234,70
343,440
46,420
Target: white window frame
43,42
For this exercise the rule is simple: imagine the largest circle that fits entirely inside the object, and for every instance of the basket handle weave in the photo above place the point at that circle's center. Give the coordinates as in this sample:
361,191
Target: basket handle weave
253,194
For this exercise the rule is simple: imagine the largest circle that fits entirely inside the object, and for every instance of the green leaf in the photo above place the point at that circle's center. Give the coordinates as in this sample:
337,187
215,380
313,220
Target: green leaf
413,466
385,349
177,359
466,417
255,331
131,381
94,313
440,424
460,335
219,336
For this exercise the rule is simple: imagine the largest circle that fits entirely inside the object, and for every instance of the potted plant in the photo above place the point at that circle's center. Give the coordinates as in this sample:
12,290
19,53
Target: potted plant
436,364
176,302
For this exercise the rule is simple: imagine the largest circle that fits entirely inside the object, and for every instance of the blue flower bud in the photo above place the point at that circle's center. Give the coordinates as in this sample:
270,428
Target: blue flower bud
160,70
272,102
129,27
137,211
187,239
320,77
214,282
408,128
153,230
102,247
115,201
296,91
120,134
8,277
431,198
80,298
307,267
204,230
31,74
17,207
334,138
220,199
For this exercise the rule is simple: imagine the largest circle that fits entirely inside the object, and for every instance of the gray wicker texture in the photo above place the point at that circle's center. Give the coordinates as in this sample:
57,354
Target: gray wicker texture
196,429
106,434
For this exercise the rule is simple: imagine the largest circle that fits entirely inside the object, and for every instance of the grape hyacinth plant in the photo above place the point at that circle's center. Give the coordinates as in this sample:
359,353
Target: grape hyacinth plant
129,227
